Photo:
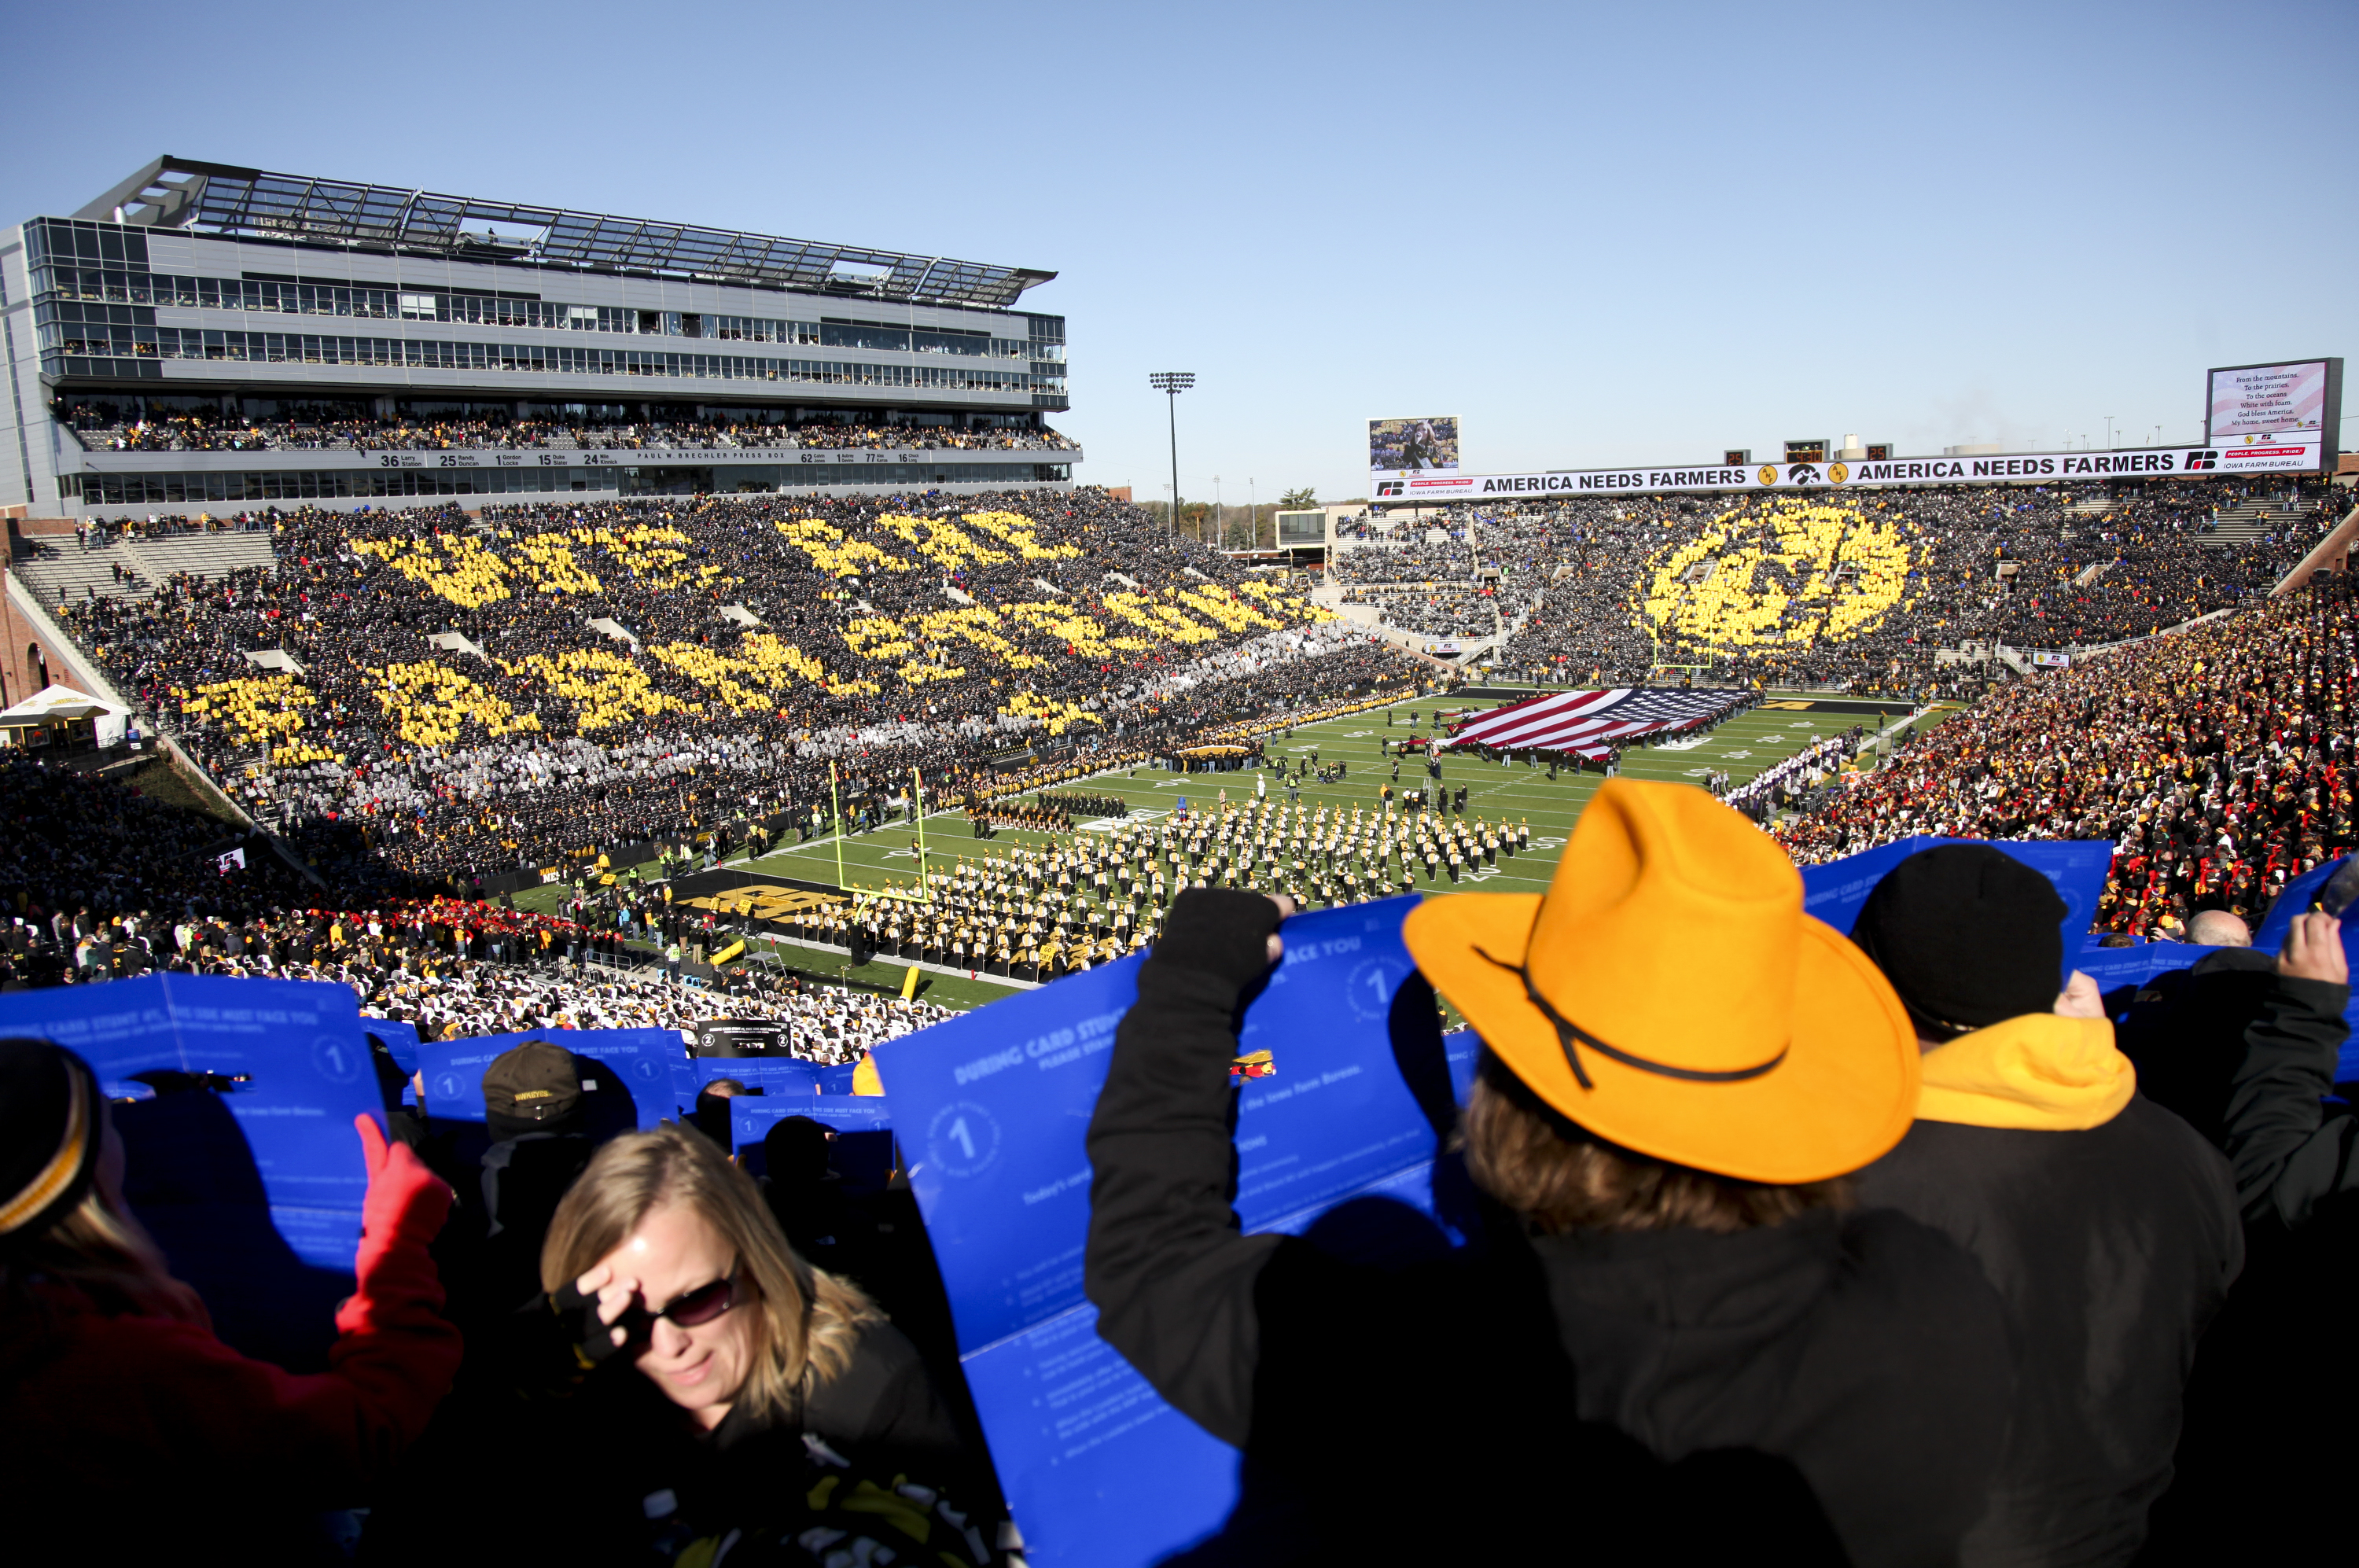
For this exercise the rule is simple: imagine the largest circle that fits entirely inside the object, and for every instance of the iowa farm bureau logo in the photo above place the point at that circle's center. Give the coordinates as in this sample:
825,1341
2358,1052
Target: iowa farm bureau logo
2198,461
1391,487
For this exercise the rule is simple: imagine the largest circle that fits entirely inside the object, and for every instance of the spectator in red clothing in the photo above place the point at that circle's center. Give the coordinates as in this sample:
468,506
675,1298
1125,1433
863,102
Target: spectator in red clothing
123,1419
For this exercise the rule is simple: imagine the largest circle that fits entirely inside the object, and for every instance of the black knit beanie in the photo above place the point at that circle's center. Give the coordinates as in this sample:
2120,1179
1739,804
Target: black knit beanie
1968,936
49,1129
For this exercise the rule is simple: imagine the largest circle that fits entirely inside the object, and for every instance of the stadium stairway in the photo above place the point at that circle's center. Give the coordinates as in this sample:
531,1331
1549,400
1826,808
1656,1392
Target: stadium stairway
201,555
72,575
2249,522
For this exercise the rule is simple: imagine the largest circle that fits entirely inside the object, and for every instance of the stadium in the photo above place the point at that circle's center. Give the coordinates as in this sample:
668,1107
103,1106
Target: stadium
780,726
486,348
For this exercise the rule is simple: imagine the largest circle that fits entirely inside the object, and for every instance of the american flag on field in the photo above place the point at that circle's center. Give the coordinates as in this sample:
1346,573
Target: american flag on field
1592,723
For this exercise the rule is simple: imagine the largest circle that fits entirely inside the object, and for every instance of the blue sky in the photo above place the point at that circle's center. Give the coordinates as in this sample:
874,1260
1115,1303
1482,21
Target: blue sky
1598,235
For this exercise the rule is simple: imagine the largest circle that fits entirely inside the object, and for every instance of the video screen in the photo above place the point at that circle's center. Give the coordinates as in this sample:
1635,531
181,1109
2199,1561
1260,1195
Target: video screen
2267,399
1397,445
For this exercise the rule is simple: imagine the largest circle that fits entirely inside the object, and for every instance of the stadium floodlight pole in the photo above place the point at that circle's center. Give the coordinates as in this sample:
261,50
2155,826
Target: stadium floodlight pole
1171,383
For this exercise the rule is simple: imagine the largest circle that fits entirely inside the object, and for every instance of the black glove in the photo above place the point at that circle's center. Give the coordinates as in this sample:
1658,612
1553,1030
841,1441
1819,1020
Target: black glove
593,1341
1222,931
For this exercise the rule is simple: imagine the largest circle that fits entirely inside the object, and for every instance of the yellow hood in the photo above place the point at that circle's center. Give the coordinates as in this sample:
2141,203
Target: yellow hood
2038,1072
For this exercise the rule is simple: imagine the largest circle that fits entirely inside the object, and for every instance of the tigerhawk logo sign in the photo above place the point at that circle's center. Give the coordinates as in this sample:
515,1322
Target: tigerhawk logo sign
1780,574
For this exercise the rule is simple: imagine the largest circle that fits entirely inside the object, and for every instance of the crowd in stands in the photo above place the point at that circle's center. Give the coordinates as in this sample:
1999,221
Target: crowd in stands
1434,609
2218,761
456,703
1856,589
104,883
109,428
1412,560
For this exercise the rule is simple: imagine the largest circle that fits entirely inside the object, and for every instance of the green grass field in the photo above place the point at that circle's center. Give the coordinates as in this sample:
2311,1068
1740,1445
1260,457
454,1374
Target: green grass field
1741,748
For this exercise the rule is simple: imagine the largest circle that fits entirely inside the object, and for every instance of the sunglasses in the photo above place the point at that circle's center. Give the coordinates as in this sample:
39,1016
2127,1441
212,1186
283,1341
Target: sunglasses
689,1308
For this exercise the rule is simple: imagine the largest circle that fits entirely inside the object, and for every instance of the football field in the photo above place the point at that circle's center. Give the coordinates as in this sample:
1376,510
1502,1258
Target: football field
1514,793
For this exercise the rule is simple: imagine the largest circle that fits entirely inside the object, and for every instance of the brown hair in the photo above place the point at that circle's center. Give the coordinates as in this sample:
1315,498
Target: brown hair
1560,1178
806,1319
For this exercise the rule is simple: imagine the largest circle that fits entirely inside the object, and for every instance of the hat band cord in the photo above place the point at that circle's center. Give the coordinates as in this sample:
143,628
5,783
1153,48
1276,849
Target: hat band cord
63,1167
1568,1032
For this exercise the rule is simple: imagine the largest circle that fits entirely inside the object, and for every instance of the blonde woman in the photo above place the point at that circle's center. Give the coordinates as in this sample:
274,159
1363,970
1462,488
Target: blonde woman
666,1252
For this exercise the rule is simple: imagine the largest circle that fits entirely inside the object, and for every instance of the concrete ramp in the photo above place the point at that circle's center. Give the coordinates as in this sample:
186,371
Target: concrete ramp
457,642
615,630
277,658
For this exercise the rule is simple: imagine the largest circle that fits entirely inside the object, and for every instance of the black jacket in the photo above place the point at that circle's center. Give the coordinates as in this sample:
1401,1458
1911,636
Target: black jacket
2255,1426
564,1462
1652,1389
2289,1151
2113,1249
2185,1030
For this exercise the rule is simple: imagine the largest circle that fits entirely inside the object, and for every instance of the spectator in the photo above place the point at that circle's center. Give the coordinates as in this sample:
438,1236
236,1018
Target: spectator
1625,1301
2218,761
116,1388
2292,1148
2033,1151
727,1375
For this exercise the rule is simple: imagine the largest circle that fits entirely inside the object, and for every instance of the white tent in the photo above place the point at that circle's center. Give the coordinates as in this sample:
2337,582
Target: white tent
55,703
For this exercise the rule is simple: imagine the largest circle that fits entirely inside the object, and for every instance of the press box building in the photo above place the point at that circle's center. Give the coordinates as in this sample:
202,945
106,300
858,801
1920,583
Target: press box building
236,295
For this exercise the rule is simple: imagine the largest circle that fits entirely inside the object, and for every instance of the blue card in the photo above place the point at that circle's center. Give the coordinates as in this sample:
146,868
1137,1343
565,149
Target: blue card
773,1075
291,1068
751,1120
993,1110
400,1041
2299,895
643,1059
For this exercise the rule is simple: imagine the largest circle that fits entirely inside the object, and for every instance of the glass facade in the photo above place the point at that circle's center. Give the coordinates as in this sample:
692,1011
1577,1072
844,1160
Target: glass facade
95,299
181,489
83,347
94,303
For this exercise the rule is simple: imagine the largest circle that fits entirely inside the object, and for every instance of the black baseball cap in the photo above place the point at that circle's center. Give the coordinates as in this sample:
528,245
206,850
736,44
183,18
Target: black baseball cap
536,1082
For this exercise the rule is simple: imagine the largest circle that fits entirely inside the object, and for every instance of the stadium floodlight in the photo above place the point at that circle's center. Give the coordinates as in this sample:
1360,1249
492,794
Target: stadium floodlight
1171,383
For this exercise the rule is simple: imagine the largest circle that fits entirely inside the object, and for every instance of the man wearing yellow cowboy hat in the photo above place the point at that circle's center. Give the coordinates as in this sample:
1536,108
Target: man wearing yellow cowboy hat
1673,1329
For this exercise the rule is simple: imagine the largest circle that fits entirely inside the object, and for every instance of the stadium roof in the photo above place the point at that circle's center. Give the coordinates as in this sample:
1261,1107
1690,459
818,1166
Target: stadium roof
251,204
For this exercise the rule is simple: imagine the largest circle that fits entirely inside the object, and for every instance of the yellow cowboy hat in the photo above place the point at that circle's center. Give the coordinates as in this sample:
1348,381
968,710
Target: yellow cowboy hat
1668,994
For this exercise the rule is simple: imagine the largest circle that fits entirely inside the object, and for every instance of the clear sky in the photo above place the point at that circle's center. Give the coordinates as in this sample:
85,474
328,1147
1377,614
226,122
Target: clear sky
1598,235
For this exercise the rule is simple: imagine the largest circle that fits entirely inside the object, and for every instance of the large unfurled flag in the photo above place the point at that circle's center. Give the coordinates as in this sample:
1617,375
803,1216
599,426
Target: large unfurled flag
1592,723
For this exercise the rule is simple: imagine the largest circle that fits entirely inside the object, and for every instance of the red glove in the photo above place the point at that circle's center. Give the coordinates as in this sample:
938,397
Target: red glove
406,1205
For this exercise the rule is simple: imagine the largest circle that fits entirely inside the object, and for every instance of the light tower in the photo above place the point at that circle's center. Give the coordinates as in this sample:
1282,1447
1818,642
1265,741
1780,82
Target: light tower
1171,383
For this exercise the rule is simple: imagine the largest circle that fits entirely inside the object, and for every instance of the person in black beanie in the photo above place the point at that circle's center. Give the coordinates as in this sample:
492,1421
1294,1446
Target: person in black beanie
2107,1224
